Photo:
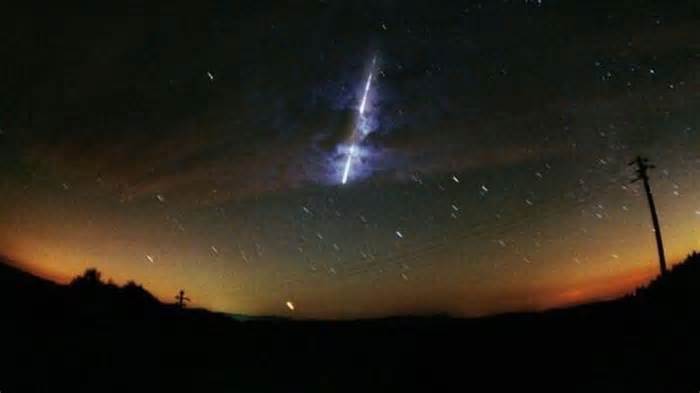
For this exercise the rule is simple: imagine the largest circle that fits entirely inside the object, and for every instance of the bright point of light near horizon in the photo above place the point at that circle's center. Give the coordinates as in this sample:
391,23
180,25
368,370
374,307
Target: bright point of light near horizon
359,136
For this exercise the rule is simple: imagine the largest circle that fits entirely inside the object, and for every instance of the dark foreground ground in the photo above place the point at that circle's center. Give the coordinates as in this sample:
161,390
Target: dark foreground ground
101,338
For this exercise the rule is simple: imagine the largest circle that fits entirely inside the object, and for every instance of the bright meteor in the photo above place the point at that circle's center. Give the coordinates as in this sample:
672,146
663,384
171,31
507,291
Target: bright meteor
364,96
356,136
346,171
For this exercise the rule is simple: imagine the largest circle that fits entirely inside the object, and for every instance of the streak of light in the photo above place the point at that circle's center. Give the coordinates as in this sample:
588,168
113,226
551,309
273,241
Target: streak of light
363,105
346,171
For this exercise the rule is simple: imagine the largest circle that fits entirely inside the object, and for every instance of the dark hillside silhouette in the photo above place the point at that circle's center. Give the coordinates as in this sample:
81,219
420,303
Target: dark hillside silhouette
93,333
93,296
682,283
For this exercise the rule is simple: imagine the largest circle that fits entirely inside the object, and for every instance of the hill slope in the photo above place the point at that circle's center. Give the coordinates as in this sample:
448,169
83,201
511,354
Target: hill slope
109,339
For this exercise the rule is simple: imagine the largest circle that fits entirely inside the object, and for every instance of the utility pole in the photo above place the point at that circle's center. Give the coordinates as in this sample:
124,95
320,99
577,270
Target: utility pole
181,298
642,165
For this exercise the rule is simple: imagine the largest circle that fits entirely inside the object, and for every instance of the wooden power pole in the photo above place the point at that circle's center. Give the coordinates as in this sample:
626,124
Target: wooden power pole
181,298
642,165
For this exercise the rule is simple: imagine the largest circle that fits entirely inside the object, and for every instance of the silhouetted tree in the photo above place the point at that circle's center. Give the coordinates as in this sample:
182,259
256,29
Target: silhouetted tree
91,278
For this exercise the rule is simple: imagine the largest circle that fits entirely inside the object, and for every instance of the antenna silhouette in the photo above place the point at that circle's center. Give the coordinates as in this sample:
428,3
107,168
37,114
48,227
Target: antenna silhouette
181,298
643,165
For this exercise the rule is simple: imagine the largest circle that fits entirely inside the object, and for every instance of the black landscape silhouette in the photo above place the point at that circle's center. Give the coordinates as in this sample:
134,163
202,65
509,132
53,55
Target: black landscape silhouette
323,195
96,336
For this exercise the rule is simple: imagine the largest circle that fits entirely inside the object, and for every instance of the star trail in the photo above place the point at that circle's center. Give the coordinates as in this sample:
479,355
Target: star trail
261,157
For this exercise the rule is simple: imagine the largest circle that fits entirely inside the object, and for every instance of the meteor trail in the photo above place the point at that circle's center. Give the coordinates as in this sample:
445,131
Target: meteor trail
357,137
364,96
346,171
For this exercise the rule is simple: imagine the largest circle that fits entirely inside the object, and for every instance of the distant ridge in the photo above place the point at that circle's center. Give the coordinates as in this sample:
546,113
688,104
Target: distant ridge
90,335
681,282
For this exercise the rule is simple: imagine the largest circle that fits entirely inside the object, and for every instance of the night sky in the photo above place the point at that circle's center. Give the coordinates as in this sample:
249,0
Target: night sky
200,145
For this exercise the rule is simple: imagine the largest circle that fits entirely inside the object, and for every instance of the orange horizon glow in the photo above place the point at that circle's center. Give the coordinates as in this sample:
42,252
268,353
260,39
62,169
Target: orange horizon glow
474,277
580,292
